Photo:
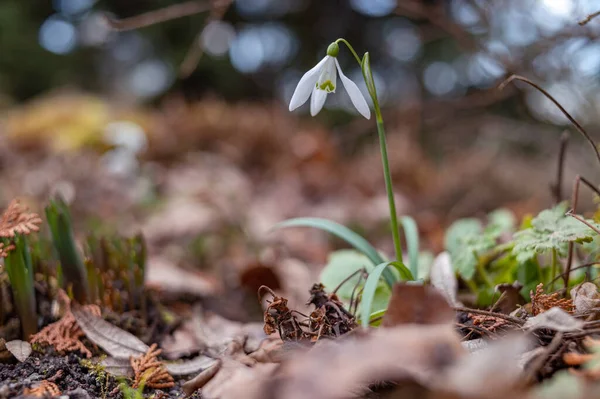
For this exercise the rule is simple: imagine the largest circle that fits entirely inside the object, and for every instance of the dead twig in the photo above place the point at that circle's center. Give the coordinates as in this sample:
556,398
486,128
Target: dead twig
196,50
574,201
162,15
541,360
588,18
562,109
556,187
511,319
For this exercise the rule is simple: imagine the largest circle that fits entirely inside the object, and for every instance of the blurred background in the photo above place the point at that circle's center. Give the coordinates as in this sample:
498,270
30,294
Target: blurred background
179,127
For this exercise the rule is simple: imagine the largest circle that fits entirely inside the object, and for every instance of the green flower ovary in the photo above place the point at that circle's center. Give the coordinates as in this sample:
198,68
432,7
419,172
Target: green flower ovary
327,86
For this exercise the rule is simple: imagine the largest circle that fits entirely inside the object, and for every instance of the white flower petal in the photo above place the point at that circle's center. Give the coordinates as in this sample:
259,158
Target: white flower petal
306,85
317,101
354,92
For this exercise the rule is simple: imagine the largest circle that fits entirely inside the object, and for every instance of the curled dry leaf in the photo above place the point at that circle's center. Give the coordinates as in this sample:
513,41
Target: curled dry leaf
20,349
490,372
191,366
345,368
585,297
417,304
117,367
443,278
236,380
115,341
554,319
475,345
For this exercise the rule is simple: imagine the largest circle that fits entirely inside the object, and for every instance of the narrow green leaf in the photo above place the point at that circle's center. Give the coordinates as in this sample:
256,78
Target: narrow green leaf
411,235
371,286
378,314
345,234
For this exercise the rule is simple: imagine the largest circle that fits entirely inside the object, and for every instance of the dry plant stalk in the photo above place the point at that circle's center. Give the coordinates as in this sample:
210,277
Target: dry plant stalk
64,335
17,220
541,302
149,371
329,319
44,389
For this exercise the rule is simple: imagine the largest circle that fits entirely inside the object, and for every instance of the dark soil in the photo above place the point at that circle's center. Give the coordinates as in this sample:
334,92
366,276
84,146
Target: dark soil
73,379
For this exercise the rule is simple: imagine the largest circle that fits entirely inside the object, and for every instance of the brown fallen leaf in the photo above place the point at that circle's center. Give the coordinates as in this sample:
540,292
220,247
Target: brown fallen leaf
192,366
510,297
116,342
417,304
443,277
20,349
346,367
585,297
492,372
237,380
163,275
554,319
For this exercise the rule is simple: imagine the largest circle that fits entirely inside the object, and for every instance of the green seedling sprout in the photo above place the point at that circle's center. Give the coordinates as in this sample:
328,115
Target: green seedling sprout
72,266
20,273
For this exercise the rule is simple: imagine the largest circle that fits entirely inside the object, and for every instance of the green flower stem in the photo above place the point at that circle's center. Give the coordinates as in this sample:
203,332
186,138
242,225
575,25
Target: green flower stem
388,185
554,268
481,263
369,81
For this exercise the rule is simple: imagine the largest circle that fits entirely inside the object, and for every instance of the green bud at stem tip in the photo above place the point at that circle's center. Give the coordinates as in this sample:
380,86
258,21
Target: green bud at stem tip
333,49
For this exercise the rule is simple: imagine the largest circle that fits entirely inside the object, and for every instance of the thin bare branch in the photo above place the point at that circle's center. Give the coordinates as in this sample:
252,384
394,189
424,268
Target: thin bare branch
562,109
589,18
556,187
161,15
196,50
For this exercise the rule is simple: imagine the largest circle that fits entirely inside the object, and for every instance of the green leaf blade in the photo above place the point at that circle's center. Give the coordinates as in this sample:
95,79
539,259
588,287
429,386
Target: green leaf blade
345,234
411,235
371,285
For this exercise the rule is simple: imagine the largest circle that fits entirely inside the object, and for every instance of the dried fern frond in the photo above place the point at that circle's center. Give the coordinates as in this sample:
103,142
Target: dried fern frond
44,389
64,335
16,219
4,250
541,302
149,371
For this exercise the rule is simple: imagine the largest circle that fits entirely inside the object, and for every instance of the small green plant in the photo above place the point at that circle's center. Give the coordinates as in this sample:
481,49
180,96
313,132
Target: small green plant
20,273
484,256
131,393
72,266
317,83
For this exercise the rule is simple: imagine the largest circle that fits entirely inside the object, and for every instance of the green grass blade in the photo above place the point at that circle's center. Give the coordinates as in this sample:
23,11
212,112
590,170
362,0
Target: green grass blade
358,242
371,286
411,235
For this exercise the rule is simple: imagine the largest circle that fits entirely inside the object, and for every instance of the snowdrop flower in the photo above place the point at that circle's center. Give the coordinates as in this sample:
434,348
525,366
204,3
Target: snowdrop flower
322,80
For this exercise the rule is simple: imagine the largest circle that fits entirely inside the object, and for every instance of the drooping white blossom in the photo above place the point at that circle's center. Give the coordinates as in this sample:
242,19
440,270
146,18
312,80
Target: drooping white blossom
321,80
